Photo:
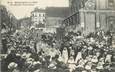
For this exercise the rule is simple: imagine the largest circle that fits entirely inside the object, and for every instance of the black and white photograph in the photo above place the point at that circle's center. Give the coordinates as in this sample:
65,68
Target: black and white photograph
57,35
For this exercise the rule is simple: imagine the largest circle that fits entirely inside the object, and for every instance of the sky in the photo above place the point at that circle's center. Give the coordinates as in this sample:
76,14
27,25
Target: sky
24,10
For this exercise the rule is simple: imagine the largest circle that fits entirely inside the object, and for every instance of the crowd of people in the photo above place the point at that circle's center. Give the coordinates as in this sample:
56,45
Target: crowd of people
73,53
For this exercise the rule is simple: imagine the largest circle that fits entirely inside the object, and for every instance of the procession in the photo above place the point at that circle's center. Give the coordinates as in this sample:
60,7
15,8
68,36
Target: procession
74,53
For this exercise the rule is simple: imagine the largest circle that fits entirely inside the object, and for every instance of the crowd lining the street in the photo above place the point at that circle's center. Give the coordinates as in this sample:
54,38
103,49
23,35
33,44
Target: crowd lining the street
73,53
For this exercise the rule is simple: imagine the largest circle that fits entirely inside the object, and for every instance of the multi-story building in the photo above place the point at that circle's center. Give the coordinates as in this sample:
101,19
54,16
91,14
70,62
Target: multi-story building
91,15
49,19
72,22
38,17
98,14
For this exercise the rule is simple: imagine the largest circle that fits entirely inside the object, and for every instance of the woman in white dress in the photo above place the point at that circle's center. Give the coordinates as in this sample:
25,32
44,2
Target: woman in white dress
65,55
108,58
71,64
78,57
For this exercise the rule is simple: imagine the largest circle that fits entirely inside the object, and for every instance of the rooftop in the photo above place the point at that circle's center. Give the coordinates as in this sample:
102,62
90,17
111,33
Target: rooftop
38,10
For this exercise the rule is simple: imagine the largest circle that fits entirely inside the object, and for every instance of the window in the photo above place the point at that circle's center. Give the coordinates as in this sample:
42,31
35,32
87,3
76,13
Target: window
43,14
111,22
35,15
39,14
110,3
32,14
44,20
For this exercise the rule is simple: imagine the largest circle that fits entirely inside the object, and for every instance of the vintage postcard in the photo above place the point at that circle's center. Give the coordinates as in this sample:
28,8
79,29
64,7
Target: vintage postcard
57,35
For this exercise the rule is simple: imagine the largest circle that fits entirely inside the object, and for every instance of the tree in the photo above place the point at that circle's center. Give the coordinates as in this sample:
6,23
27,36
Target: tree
7,25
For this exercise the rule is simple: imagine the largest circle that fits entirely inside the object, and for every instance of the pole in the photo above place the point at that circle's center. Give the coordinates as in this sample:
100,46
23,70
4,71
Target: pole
0,38
0,32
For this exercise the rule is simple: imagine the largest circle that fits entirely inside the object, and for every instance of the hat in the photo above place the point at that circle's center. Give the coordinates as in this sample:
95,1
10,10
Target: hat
84,71
30,59
12,65
36,62
38,70
52,66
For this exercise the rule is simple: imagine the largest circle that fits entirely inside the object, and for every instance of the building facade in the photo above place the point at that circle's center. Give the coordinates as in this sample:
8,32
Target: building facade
38,17
97,15
72,22
93,15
